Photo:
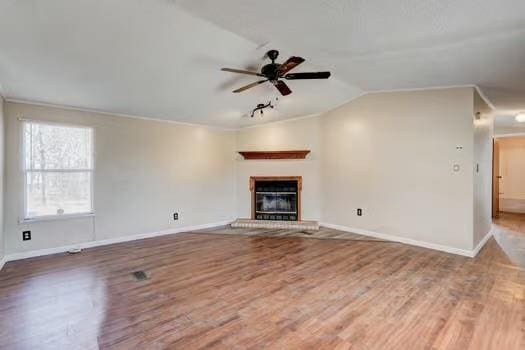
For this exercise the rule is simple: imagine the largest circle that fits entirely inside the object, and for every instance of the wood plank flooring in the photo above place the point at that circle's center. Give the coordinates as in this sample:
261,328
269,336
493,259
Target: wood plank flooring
512,221
219,291
510,234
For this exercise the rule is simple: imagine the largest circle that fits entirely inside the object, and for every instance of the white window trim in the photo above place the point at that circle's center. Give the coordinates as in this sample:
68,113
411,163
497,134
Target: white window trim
29,219
56,217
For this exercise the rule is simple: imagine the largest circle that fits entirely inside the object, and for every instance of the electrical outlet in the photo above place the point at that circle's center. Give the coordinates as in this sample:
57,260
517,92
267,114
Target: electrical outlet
176,216
359,212
26,235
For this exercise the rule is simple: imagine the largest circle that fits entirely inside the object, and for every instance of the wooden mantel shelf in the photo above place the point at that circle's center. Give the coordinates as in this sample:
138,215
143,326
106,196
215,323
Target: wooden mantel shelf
295,154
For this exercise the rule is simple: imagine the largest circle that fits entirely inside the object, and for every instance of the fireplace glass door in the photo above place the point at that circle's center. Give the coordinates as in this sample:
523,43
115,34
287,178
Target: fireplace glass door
276,200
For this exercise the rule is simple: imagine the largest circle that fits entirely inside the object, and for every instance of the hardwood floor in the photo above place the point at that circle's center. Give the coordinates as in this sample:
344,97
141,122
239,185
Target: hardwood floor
237,292
510,235
512,221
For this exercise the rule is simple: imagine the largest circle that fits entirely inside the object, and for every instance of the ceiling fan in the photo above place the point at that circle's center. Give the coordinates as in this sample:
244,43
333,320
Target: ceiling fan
274,72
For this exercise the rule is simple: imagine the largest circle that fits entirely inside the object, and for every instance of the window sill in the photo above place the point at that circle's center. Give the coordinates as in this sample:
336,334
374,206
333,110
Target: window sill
56,218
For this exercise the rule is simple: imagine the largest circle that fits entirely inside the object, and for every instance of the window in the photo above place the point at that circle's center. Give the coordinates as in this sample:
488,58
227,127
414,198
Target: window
58,170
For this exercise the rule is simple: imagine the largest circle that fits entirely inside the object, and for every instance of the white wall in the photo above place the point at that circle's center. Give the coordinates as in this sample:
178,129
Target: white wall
2,171
483,136
512,170
145,171
289,135
392,154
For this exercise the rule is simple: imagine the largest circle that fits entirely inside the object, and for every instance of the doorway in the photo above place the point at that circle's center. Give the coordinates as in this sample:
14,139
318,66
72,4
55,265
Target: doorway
508,185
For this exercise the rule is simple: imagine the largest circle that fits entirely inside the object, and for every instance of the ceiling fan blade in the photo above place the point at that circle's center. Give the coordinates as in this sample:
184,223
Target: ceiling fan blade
249,86
282,87
290,64
307,75
241,71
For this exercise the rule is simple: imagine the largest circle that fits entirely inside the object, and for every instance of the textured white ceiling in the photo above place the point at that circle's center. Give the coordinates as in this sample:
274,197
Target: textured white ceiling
385,44
144,58
160,58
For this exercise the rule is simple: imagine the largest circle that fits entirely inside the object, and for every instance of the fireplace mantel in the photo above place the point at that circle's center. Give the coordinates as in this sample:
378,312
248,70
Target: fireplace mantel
293,154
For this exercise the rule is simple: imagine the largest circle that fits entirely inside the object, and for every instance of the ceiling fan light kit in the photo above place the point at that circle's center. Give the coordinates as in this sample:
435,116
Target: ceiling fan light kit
275,72
261,107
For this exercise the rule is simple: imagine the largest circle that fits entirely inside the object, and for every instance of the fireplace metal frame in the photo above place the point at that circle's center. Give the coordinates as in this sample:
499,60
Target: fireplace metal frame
299,180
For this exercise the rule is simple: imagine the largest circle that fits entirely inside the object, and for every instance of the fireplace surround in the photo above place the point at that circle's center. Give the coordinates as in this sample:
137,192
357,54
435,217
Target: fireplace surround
276,197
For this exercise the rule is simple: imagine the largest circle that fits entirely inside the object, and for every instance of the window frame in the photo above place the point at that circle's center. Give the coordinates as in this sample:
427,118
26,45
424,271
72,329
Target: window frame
24,172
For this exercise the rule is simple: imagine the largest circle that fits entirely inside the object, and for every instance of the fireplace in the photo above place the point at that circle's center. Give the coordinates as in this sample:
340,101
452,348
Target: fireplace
276,198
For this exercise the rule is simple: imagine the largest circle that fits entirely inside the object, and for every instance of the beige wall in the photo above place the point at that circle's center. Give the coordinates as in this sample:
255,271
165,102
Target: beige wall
392,154
145,171
512,170
483,136
2,171
290,135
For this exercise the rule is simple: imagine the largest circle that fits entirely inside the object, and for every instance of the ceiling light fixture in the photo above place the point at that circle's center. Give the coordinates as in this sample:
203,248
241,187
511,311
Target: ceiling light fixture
520,117
260,107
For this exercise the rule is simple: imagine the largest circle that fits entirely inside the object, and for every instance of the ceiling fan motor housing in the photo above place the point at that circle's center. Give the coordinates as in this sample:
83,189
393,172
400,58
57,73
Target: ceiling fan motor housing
271,71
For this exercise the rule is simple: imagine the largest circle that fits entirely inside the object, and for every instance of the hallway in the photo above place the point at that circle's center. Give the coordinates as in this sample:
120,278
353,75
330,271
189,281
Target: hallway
510,234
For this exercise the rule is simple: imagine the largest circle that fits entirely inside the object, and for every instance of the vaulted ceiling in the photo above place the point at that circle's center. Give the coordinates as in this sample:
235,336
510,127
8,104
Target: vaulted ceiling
161,58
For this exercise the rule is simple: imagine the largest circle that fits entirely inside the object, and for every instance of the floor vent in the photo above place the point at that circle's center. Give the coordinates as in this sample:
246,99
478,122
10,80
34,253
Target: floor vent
140,275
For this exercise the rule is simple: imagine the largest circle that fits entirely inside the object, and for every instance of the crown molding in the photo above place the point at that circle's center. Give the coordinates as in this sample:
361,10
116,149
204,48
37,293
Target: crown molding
263,124
123,115
484,97
439,87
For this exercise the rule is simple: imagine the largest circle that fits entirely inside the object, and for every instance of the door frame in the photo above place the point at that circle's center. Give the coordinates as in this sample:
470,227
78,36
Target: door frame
495,178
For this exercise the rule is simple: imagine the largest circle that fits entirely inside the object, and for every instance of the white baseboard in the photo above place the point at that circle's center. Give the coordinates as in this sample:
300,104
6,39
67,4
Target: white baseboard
410,241
484,241
91,244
